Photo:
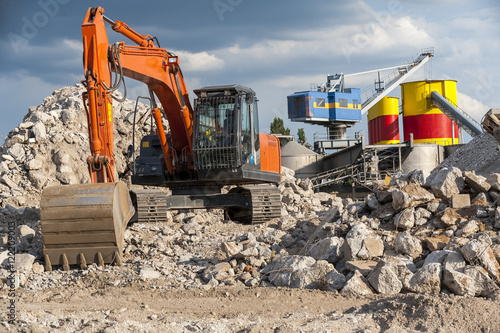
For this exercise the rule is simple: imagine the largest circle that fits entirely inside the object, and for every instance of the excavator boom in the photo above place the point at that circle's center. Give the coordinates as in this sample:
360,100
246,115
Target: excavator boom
83,224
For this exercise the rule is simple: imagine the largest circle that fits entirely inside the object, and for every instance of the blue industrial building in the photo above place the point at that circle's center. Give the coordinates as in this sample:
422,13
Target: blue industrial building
317,107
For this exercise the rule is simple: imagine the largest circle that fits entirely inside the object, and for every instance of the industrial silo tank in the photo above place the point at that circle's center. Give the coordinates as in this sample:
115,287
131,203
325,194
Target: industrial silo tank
305,162
420,116
383,122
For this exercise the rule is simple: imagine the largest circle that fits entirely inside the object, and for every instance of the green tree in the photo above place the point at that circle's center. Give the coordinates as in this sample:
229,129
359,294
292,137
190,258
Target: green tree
301,135
278,127
302,138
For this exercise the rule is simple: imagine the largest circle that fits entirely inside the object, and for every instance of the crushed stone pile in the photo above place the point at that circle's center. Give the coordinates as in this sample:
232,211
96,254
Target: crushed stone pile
481,155
50,146
423,233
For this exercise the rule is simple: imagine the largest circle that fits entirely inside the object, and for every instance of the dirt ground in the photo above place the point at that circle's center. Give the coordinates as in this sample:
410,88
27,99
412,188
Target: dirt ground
99,307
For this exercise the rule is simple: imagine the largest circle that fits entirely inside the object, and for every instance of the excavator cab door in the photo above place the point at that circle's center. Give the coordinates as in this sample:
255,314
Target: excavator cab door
225,135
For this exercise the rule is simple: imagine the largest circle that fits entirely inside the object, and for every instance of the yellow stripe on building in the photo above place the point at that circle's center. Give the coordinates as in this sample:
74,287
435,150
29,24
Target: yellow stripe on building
336,105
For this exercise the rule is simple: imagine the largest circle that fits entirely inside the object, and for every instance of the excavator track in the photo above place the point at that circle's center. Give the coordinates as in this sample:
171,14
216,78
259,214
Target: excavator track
265,204
84,224
151,205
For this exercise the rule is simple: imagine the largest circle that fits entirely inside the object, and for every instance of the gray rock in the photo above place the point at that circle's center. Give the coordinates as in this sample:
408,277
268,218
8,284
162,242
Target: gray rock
17,152
149,273
385,280
427,279
448,182
410,195
362,243
357,285
330,249
405,243
494,181
335,280
470,228
24,262
39,131
476,182
405,219
478,251
483,285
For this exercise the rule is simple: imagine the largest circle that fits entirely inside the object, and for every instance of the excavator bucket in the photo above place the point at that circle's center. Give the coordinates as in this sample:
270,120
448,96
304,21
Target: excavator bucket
84,224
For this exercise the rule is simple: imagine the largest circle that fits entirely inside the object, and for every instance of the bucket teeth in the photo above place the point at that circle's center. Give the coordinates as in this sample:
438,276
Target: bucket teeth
65,264
83,262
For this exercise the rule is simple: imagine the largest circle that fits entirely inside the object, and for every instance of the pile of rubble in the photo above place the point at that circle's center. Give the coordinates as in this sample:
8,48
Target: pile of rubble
51,145
421,233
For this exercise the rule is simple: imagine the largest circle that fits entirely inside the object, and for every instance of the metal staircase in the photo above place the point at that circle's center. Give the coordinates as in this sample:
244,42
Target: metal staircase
456,114
394,79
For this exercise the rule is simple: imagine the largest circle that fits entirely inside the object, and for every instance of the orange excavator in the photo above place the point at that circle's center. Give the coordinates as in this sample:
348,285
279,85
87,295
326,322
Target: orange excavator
215,144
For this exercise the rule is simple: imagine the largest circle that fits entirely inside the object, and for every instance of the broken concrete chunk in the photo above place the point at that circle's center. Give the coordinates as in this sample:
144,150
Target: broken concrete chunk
497,217
405,219
364,266
448,182
478,251
460,200
450,217
330,249
407,244
410,195
33,164
476,182
17,152
427,279
483,284
494,181
470,228
385,280
357,285
436,242
24,262
39,131
362,243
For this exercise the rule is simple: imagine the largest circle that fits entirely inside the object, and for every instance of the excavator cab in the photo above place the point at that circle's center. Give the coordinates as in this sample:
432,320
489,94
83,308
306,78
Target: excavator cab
226,130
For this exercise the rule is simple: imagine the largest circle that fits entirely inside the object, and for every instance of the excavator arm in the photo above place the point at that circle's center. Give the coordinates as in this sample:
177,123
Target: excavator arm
157,68
83,224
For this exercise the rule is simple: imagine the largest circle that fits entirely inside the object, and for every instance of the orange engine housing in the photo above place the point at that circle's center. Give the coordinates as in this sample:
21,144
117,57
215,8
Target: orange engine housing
270,153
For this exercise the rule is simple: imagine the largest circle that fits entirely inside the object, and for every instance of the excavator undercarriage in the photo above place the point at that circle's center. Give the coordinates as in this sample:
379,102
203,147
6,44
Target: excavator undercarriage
245,204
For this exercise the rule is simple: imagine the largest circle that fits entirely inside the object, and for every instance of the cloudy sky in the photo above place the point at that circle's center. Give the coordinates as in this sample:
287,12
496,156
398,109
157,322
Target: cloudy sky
274,47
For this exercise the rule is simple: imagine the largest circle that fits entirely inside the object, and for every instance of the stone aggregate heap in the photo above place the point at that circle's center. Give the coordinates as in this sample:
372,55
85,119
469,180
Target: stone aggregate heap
422,233
50,146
